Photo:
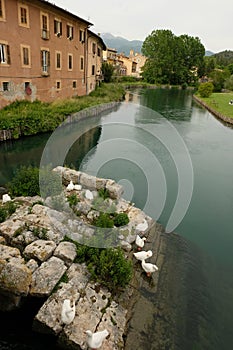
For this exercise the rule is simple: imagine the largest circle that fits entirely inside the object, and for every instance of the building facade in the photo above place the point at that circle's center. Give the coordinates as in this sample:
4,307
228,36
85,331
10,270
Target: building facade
43,52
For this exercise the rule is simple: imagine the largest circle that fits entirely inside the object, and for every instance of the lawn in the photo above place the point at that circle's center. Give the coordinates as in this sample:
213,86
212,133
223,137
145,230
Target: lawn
219,101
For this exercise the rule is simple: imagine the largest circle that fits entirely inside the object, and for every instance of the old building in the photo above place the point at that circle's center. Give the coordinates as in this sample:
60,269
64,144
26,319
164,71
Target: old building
44,52
95,47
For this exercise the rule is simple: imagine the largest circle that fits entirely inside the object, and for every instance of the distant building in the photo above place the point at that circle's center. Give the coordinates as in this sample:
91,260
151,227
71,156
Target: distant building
46,52
125,65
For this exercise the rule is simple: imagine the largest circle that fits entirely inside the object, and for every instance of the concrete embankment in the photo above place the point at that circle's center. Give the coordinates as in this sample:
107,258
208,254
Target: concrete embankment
217,114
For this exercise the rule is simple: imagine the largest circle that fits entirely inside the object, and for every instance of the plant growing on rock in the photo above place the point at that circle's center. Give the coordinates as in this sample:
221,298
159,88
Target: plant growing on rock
72,200
121,219
104,220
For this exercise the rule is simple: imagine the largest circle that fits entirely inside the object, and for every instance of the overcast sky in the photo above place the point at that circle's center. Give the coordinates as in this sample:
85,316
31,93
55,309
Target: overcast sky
210,20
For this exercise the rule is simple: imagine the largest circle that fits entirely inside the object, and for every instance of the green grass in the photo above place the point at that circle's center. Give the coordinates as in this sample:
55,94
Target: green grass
219,101
29,118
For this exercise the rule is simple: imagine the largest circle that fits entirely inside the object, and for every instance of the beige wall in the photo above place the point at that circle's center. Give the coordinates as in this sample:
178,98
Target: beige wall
60,82
95,59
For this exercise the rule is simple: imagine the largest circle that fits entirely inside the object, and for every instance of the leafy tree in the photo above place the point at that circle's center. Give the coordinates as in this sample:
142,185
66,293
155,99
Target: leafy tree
218,77
229,83
205,89
107,70
172,59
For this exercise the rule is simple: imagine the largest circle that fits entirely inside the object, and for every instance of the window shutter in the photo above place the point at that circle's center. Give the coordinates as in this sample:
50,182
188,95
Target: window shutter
67,31
72,31
55,26
48,59
41,56
61,28
8,54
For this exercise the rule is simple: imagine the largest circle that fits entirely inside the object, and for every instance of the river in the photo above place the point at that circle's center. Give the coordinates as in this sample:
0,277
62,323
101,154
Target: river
166,151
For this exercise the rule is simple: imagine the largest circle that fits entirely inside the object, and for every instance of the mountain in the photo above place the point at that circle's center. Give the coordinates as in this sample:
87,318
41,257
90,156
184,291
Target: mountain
209,53
121,44
224,58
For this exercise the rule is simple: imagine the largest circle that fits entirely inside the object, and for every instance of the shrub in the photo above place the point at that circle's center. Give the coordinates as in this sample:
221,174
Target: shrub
112,269
104,220
205,89
121,219
104,193
72,200
3,214
25,182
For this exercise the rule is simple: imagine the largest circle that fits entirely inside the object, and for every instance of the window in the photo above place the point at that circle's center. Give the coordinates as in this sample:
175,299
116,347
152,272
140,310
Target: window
57,28
2,10
70,62
23,15
94,48
44,26
4,54
69,32
82,36
25,55
5,86
58,84
93,70
81,63
45,61
74,84
58,60
99,52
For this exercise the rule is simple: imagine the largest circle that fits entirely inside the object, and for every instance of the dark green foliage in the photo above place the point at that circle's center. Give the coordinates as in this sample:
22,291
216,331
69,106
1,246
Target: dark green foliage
171,59
7,210
3,214
112,270
205,89
30,181
109,267
224,58
228,84
104,193
25,182
218,78
121,219
104,220
107,70
72,200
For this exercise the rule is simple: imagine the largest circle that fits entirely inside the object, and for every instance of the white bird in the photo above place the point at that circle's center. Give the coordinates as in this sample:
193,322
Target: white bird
95,340
67,312
78,187
140,242
143,255
142,226
70,187
149,268
89,195
6,198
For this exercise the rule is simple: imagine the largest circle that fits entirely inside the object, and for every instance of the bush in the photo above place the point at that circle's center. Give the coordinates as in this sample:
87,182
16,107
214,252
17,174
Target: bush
104,220
72,200
112,269
121,219
3,214
205,89
7,210
104,193
229,83
25,182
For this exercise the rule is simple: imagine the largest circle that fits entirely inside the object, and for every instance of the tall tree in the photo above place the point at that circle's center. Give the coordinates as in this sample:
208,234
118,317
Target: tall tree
172,59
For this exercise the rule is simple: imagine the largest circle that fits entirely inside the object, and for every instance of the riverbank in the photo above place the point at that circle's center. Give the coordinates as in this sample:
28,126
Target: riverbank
23,118
218,105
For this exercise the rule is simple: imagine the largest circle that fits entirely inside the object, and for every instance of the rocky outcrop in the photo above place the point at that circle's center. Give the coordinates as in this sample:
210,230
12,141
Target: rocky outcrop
37,261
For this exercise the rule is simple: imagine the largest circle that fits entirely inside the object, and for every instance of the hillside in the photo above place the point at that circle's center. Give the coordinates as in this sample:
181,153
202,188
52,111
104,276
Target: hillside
121,44
224,58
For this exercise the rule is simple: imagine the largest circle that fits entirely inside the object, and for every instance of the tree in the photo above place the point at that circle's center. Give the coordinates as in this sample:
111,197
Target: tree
107,70
229,83
205,89
172,59
218,77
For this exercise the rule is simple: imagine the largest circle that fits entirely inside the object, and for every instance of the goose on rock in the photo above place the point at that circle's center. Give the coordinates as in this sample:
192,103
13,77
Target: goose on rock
89,195
149,268
143,255
6,198
142,227
95,340
140,242
70,187
67,312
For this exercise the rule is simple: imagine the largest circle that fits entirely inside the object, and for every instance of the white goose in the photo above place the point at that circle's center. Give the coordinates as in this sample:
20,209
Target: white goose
140,242
89,195
143,255
67,312
142,227
6,198
149,268
70,187
95,340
